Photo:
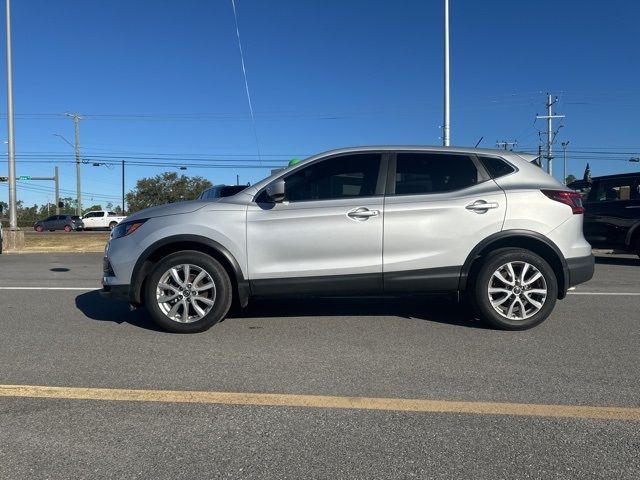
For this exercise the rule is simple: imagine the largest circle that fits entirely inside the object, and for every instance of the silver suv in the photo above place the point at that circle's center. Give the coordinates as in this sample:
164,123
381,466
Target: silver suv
488,225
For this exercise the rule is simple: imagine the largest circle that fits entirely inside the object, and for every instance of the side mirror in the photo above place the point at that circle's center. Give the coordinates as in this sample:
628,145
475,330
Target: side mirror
275,191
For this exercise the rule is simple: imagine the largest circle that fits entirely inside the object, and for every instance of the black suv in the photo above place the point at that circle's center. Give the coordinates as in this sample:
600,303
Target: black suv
612,218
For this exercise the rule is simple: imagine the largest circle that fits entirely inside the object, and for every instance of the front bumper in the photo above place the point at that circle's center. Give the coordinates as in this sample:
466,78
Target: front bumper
580,269
115,292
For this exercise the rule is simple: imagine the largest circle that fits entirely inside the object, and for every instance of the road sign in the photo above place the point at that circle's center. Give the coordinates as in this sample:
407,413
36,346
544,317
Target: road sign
24,177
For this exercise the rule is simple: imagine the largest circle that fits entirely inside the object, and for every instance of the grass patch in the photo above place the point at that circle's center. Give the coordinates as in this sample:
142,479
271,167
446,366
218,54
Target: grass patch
71,242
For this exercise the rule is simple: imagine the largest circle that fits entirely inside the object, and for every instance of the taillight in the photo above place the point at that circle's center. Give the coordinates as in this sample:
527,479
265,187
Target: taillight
573,199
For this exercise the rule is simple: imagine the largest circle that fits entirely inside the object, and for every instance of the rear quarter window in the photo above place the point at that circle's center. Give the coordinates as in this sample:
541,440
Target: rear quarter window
496,167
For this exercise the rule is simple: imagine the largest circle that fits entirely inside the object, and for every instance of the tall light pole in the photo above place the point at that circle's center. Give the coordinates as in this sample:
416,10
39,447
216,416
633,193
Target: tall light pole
13,212
122,187
445,123
564,149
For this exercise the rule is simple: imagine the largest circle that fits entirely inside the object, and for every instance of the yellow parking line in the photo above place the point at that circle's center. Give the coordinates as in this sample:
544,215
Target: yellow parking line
320,401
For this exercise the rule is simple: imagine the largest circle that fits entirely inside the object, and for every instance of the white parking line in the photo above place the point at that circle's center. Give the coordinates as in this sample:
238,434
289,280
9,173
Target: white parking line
632,294
51,288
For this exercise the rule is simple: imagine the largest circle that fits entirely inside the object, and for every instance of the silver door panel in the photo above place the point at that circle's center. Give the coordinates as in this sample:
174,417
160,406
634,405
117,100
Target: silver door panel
439,230
315,238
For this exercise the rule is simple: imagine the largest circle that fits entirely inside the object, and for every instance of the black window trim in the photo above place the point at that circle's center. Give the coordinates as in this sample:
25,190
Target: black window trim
385,156
391,174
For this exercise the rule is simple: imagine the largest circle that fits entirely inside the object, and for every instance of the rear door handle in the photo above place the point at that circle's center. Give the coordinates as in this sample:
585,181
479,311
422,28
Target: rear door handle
481,206
362,213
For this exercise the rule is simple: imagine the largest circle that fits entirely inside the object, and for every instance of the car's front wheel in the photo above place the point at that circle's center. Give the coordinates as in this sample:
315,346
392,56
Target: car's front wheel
188,292
514,289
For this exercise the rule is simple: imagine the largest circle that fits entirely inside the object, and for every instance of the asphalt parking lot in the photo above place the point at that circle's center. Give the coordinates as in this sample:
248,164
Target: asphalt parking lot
334,388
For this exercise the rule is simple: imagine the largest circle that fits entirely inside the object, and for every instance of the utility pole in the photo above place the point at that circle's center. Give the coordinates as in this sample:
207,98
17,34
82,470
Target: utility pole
506,145
56,180
445,123
550,133
13,212
122,187
76,127
564,149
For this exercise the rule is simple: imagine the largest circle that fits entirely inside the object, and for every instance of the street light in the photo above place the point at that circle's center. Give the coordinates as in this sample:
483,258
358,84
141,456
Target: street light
64,139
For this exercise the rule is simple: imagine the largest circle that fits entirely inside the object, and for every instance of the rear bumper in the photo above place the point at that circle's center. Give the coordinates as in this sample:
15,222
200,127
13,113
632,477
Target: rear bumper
580,269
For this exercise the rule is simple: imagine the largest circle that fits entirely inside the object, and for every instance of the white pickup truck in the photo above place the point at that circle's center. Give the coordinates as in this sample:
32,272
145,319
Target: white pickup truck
101,219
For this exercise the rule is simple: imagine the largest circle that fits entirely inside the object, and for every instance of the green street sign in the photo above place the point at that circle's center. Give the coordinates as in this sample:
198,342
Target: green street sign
24,177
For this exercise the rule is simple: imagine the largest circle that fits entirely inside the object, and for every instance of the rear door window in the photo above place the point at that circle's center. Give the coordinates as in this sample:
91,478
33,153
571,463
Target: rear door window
425,173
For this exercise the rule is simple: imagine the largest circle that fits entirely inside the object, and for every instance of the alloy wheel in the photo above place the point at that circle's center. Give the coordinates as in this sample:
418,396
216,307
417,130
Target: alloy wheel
186,293
517,290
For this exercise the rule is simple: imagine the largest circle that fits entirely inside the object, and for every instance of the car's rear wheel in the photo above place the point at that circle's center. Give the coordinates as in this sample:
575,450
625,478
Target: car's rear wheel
188,292
514,289
67,228
112,225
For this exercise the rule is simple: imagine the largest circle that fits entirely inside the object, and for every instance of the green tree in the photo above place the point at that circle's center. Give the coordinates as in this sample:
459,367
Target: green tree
570,178
92,208
168,187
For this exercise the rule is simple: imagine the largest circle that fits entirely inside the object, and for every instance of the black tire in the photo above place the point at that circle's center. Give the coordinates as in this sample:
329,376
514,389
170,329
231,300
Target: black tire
112,225
483,279
219,276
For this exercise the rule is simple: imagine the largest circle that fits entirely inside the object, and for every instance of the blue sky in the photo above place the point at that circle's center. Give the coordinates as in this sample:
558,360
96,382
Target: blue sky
162,79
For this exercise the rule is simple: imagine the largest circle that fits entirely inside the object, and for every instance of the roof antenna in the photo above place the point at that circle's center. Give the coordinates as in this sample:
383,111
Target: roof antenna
478,142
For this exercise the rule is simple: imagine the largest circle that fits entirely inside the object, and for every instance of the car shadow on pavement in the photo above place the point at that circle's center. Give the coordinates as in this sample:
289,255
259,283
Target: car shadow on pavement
630,261
432,309
95,307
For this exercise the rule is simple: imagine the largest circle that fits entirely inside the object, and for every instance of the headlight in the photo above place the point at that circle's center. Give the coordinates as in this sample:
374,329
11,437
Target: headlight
126,228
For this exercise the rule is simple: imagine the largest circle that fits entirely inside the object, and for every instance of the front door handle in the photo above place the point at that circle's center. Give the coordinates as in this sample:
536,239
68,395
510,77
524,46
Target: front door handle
362,213
481,206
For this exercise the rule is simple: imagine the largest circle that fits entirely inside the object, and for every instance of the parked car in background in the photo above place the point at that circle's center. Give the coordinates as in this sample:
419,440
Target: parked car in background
486,225
220,191
99,219
612,217
68,223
